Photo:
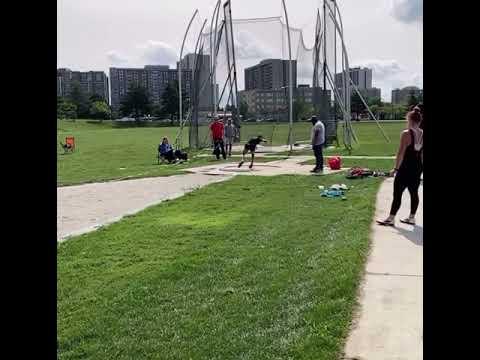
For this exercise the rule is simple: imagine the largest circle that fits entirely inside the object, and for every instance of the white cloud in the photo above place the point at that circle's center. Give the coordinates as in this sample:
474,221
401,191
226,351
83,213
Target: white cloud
248,46
158,53
407,11
382,69
116,59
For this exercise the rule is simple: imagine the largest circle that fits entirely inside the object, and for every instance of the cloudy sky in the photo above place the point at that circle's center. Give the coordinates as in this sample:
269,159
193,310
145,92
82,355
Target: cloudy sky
386,35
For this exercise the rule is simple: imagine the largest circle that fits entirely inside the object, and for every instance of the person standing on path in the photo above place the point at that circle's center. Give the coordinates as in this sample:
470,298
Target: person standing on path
318,140
229,136
408,169
217,129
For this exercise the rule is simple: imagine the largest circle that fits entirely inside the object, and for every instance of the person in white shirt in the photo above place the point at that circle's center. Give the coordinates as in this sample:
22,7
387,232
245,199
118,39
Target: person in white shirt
229,134
318,140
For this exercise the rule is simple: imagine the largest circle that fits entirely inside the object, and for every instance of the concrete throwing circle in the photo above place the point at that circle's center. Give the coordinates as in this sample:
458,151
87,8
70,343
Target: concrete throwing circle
245,168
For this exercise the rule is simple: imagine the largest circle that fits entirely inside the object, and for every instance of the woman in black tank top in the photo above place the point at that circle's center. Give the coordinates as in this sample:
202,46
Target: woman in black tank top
408,169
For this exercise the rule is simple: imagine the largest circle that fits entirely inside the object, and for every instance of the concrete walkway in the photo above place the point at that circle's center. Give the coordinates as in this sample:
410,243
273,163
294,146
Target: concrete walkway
389,325
84,208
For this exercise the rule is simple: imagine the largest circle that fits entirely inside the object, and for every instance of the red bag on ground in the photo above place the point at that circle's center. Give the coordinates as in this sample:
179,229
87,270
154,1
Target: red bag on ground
335,163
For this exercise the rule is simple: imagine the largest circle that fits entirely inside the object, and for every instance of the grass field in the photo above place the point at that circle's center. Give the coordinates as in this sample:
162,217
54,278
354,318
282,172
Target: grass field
105,152
252,268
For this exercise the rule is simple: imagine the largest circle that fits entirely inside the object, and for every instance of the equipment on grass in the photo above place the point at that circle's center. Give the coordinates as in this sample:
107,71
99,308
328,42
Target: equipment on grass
335,163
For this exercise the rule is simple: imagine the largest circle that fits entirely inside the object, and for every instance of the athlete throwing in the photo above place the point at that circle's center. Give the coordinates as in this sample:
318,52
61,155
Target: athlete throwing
251,146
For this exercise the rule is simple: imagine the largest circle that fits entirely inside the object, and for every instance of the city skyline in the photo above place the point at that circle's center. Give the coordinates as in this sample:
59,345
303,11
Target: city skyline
99,35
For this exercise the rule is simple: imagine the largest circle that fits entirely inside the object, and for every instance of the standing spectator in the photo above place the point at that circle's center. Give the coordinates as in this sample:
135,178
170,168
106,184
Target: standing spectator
229,136
408,169
318,140
217,129
419,107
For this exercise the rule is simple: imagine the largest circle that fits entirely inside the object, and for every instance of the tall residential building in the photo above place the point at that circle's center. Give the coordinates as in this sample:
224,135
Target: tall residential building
275,102
203,81
270,74
401,96
154,78
362,77
91,82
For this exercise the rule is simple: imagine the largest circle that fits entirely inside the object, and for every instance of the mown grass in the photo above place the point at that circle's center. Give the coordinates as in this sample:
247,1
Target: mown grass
252,268
107,153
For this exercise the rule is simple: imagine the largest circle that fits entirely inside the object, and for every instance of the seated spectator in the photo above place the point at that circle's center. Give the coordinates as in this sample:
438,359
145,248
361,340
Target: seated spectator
166,151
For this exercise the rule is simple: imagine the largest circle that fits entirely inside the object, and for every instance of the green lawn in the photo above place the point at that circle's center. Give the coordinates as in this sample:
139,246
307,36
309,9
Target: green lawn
105,152
371,140
252,268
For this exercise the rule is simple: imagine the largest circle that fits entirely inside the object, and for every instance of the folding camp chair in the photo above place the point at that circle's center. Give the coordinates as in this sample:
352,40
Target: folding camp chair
69,144
160,158
70,141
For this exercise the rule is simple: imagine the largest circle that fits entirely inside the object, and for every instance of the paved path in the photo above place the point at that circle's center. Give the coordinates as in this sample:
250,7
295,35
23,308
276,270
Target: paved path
84,208
390,321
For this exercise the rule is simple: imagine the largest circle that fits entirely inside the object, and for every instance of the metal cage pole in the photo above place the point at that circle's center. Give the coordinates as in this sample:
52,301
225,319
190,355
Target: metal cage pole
290,80
180,97
213,60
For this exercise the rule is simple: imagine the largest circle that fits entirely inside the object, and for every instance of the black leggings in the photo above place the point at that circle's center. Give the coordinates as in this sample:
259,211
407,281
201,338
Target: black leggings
169,156
399,185
219,147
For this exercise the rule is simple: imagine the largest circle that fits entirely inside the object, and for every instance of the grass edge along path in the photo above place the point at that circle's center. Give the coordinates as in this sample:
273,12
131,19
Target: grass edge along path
252,268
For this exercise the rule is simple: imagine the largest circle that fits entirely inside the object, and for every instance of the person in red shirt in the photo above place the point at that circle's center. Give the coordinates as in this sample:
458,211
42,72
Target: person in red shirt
217,129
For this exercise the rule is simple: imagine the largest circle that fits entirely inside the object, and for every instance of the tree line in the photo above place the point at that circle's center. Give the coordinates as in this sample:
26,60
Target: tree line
78,106
137,103
382,110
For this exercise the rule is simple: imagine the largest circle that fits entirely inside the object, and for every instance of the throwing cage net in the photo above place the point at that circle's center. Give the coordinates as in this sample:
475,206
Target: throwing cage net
260,56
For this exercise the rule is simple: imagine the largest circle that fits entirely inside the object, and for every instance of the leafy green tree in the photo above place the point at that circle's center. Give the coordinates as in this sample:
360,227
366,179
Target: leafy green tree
244,109
96,97
356,105
136,103
412,99
374,101
170,102
66,109
301,110
79,99
100,110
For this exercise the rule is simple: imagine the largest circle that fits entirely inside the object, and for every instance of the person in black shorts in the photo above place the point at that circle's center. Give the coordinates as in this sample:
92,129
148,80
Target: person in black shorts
251,146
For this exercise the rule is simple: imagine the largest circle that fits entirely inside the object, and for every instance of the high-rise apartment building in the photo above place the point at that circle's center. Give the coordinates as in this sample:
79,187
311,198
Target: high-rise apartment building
91,83
154,78
401,96
270,74
203,81
362,77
